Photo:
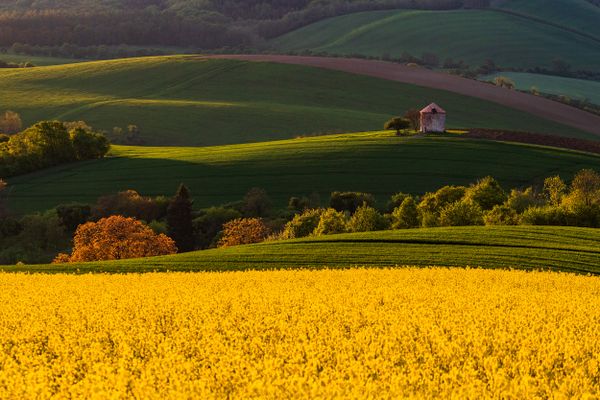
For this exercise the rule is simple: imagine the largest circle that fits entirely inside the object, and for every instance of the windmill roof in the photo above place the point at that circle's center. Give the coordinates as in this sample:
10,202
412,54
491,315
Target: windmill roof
433,108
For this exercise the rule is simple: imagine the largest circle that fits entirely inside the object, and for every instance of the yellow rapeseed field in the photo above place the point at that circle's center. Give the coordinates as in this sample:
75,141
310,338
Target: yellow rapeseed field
419,333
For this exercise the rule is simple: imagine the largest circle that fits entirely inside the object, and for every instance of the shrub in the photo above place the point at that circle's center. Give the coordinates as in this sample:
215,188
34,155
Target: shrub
545,215
117,238
406,216
429,219
330,223
208,225
350,201
243,231
10,122
487,193
367,219
461,213
413,116
501,215
302,225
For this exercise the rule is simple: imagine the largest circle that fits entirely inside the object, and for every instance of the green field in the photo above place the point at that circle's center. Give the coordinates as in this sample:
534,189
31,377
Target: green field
559,248
579,89
579,15
375,162
191,101
469,35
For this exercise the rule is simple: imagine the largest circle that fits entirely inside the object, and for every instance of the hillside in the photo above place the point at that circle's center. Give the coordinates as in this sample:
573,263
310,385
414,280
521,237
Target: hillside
376,162
578,89
578,15
469,35
558,248
193,101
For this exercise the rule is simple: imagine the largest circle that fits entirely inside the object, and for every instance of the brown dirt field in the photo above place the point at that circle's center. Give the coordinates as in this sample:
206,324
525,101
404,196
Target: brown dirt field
535,105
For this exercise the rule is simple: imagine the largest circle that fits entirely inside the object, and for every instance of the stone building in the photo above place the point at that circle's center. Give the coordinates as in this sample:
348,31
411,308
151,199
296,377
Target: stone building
433,119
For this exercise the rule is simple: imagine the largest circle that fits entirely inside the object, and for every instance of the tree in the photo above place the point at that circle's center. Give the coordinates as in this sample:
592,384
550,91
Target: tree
302,225
397,124
367,219
179,220
243,231
432,203
501,215
350,201
88,145
487,193
521,200
73,215
406,215
585,188
413,116
461,213
10,122
555,189
131,204
2,204
208,225
330,223
117,238
257,203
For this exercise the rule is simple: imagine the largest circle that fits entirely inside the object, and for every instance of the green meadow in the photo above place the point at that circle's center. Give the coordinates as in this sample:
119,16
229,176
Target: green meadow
556,248
579,89
374,162
192,101
469,35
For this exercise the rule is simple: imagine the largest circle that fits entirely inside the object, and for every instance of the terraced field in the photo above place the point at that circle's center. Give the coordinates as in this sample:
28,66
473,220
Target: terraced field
462,35
375,162
557,248
193,101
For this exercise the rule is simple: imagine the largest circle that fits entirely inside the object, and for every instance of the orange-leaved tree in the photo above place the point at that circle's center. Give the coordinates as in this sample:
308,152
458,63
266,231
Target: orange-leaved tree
243,231
116,238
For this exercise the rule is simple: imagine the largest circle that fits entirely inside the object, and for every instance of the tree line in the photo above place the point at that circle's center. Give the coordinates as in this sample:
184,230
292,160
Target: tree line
207,25
46,144
172,223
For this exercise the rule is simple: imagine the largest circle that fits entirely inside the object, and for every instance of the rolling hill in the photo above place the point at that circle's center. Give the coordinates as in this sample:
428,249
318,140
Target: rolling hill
469,35
579,89
557,248
578,15
375,162
194,101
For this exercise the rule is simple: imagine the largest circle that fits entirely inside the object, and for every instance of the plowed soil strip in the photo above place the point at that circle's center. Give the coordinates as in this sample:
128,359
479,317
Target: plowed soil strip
535,105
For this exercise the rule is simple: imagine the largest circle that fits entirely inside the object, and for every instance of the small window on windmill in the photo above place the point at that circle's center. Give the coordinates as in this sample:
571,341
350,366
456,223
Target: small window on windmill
434,111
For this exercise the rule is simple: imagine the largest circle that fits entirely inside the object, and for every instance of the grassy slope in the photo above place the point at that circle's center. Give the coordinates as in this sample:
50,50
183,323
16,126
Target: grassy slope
191,101
574,88
568,249
379,163
470,35
575,14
